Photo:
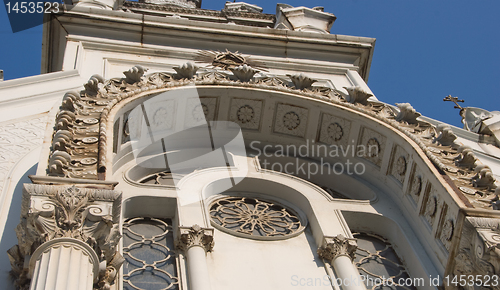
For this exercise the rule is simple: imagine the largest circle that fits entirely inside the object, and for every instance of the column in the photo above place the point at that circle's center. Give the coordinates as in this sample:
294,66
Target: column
339,251
62,264
195,242
67,238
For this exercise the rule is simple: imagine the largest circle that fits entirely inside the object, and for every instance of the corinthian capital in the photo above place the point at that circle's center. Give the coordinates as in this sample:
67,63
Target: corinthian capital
60,211
195,236
334,247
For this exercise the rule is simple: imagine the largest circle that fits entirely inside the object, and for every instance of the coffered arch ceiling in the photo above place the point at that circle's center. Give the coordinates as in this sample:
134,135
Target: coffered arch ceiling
417,164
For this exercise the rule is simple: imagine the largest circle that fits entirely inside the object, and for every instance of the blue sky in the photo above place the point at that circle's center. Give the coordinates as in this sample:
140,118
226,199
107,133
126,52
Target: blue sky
425,49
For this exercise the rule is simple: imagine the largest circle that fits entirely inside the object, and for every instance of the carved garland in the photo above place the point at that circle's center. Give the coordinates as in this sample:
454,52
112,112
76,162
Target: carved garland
83,119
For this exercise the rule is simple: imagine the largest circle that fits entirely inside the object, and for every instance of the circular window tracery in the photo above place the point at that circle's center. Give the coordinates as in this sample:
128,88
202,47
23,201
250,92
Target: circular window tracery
255,218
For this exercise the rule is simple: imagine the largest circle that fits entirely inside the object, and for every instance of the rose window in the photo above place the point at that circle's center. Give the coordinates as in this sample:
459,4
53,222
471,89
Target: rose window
255,218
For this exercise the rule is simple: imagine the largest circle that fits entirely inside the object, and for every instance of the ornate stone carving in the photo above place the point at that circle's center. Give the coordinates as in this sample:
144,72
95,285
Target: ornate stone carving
357,95
479,248
372,146
255,218
407,113
246,113
186,70
49,212
92,85
291,120
399,164
416,184
85,115
430,207
334,130
244,72
466,158
227,59
195,236
337,246
447,233
446,136
484,177
301,81
135,74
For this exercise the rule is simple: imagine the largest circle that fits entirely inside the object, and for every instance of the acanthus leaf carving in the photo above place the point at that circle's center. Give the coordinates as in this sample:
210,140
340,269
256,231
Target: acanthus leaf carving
51,212
407,113
135,74
339,245
195,236
479,247
244,72
301,81
187,70
357,95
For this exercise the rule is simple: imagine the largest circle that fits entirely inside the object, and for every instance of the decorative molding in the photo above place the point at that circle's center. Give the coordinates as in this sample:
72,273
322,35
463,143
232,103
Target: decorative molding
195,236
479,248
416,184
399,164
339,245
334,130
407,114
373,144
85,117
16,140
246,112
291,120
55,211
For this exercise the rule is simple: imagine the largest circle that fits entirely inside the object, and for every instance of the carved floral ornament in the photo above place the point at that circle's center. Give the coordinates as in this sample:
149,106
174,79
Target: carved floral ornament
50,212
479,248
82,120
339,245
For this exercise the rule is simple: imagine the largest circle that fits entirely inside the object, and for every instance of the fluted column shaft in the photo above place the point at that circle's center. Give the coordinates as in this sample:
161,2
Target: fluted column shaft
62,264
196,242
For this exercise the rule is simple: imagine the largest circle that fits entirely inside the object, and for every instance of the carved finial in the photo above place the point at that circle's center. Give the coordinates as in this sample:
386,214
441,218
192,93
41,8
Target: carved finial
92,86
446,136
61,139
357,95
407,113
59,160
134,75
301,81
70,101
64,120
187,70
484,177
337,246
195,236
466,158
244,72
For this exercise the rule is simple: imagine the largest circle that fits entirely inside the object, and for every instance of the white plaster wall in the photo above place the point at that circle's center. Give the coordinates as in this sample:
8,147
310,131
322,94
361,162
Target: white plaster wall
245,264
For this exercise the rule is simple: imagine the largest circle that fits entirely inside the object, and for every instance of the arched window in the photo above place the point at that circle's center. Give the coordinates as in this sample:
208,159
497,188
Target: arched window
150,260
378,262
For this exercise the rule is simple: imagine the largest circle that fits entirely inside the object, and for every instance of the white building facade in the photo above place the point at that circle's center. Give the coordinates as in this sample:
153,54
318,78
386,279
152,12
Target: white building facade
170,147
